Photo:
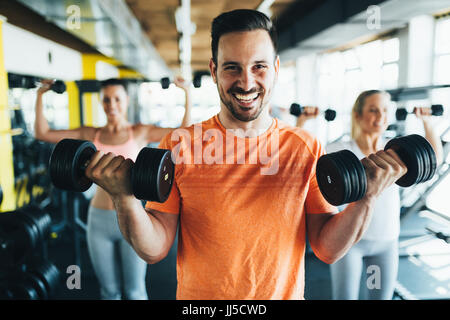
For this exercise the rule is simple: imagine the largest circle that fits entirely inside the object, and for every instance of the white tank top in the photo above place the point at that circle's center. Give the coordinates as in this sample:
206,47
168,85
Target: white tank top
385,223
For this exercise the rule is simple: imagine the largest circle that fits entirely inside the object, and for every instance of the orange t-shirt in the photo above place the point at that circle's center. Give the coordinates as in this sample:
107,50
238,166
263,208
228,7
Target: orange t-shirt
242,205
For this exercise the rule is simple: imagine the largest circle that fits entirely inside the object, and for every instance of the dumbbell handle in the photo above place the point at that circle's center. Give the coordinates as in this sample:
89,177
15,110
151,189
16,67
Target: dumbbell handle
57,86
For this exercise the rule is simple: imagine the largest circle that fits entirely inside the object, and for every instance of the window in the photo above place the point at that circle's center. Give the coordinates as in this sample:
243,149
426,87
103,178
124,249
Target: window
165,107
442,52
343,75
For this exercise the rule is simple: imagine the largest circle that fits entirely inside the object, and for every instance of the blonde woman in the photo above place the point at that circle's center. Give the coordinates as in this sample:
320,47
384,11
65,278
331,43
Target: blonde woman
377,252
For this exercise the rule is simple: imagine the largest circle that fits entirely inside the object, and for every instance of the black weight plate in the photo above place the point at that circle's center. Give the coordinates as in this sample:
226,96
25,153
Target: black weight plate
59,86
426,159
347,175
21,238
295,109
362,181
437,110
330,114
359,177
346,157
67,164
330,179
165,82
407,154
49,274
152,174
412,162
400,114
37,284
1,195
420,153
432,158
430,155
37,217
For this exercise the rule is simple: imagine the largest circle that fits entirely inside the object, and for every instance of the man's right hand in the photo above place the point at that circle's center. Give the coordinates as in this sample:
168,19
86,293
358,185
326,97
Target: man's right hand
111,172
382,169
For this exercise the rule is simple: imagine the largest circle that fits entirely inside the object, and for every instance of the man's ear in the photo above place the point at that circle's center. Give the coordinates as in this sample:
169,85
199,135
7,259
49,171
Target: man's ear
213,70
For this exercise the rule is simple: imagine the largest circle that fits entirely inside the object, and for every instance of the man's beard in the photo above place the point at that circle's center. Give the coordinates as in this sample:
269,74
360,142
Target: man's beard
234,108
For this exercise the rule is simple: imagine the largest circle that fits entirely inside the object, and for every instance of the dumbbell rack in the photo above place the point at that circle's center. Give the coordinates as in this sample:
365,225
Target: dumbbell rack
25,270
69,204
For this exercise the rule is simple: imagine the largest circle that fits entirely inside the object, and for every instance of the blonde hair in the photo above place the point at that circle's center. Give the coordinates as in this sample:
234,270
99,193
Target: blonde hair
358,108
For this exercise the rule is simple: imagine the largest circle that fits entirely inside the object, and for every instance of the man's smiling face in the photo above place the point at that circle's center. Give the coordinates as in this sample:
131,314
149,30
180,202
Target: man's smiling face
246,72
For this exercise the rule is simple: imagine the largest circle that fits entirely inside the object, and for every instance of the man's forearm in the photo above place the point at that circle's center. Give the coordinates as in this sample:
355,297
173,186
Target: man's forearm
343,230
142,230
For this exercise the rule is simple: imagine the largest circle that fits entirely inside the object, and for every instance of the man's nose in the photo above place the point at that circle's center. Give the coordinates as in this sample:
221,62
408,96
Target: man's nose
247,80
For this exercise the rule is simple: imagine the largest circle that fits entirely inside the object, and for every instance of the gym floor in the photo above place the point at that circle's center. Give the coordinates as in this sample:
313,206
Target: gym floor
424,268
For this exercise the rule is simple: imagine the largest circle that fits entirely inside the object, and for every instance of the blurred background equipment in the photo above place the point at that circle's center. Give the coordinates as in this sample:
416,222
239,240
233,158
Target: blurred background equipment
436,110
297,110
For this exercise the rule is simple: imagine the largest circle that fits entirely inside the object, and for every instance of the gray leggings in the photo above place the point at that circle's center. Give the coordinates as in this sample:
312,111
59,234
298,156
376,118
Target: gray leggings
115,262
380,262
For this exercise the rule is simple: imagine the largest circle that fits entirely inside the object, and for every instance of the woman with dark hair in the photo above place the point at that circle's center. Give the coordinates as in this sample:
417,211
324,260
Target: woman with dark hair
112,256
376,255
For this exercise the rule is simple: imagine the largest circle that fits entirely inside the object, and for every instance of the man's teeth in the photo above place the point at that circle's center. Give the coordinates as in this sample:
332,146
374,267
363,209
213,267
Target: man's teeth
246,97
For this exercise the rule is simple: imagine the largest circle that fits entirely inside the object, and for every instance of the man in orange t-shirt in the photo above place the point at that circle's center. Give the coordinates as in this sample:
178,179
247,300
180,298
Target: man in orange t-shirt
245,192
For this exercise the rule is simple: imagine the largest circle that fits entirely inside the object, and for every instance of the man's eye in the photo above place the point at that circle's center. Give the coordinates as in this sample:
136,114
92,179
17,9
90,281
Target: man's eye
232,68
260,66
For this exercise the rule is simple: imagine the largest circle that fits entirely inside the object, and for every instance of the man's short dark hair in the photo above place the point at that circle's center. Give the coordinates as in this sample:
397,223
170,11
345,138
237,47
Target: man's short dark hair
240,20
113,82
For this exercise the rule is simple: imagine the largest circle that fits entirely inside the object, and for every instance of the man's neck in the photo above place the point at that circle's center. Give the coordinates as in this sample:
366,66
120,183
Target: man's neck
245,129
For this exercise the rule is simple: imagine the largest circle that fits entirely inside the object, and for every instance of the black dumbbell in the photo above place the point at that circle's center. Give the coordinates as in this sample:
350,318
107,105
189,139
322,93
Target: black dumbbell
151,175
436,110
165,82
197,79
57,86
38,282
21,233
342,179
297,110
